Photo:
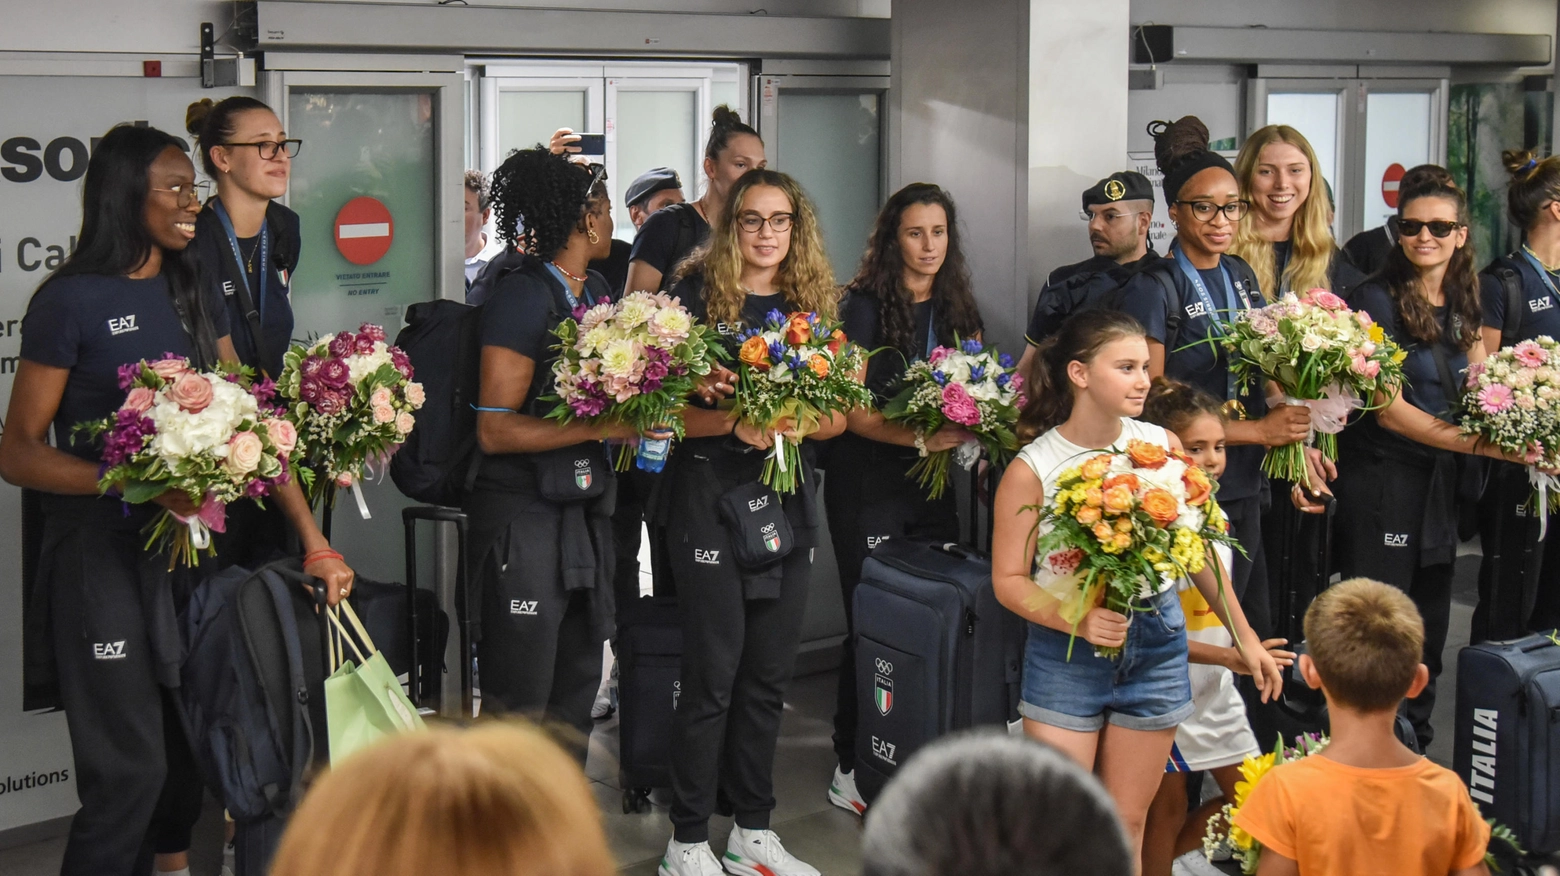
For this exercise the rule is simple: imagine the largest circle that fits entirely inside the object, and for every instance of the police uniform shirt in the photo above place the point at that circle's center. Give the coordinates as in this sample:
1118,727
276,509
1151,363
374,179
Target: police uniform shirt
1422,378
92,324
1203,365
1045,320
520,315
1540,310
276,315
656,243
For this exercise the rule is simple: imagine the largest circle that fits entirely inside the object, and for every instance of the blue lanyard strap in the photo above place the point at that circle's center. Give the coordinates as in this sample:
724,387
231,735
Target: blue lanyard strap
1542,275
931,335
568,293
1231,300
238,257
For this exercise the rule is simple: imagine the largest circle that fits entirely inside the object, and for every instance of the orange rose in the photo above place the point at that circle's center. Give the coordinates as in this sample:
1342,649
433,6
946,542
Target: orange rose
1124,524
1094,497
1182,456
1161,506
1126,479
1088,516
819,364
1198,485
1096,467
1123,541
1146,455
1118,500
755,353
799,330
838,342
1103,532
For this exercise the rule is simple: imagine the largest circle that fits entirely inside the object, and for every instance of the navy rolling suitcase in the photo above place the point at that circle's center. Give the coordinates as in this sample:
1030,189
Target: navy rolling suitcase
1507,744
649,653
935,652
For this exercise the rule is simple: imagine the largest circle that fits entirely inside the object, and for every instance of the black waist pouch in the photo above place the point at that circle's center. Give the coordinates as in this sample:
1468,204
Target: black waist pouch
755,521
576,473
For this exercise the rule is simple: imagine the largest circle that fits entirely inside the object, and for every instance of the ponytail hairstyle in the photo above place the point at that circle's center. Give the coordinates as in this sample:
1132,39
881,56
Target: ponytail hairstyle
113,240
805,277
1534,183
724,124
1460,286
544,194
213,122
1174,405
1049,388
1311,240
882,270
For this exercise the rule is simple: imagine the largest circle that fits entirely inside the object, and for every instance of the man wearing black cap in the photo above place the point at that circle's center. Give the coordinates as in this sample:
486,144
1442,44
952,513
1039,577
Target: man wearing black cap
1119,209
649,192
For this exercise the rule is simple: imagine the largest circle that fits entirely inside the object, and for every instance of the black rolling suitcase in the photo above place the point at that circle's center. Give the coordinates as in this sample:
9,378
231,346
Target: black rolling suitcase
649,653
935,651
426,626
1507,741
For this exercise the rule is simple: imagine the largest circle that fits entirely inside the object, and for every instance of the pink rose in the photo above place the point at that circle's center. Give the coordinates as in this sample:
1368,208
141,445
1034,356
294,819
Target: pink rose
374,332
1475,370
1326,300
415,395
404,423
168,369
344,479
380,397
1495,398
1529,354
383,413
1359,364
283,434
1372,368
191,392
244,452
139,400
938,355
958,406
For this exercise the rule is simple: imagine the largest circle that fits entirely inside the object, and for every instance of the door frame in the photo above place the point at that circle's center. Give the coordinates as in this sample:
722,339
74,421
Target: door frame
767,89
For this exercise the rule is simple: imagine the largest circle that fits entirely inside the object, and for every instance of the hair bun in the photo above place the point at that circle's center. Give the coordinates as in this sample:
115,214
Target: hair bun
1174,141
1519,162
195,115
725,117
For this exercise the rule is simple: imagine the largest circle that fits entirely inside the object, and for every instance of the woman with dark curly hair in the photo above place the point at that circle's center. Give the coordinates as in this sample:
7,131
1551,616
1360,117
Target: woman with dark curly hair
911,294
741,625
540,505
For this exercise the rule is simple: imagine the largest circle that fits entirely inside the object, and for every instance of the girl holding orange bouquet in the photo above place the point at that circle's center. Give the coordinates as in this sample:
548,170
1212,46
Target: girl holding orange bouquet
738,552
1114,714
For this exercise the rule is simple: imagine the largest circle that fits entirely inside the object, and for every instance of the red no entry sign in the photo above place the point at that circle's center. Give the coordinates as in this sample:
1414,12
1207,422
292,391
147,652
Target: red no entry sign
364,231
1389,184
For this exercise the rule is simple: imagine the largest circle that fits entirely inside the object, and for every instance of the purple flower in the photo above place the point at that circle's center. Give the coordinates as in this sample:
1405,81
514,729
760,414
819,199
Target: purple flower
401,361
331,402
334,373
257,488
363,345
311,366
265,390
309,390
341,345
374,332
128,374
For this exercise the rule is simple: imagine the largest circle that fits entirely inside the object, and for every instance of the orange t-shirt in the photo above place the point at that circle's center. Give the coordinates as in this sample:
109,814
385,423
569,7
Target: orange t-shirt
1336,819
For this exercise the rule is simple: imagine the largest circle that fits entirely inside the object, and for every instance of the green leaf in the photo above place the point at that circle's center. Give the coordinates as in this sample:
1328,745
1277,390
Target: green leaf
138,492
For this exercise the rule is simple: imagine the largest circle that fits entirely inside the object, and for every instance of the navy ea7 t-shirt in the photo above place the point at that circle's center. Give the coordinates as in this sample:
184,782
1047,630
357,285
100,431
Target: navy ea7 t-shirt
1539,311
92,324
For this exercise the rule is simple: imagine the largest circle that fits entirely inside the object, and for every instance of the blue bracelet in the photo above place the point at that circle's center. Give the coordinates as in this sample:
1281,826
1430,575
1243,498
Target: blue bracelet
494,410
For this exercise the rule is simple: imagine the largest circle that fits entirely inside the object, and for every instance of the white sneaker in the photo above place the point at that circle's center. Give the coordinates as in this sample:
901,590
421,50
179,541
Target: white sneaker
843,793
759,853
689,859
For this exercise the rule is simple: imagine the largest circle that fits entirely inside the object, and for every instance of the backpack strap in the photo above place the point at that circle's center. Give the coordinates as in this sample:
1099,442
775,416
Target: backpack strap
684,242
1511,284
1173,296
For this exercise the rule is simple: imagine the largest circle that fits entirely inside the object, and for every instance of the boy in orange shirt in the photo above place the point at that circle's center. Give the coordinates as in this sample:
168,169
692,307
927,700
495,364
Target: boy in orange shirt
1365,804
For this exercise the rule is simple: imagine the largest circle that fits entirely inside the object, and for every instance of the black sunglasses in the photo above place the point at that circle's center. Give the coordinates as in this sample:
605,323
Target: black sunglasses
1412,227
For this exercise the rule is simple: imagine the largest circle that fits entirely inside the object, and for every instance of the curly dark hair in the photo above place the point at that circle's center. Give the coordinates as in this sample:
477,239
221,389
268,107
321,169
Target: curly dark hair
1175,405
544,194
882,271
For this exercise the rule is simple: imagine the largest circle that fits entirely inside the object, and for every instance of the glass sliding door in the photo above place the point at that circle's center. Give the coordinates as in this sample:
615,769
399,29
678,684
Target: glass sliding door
653,123
1400,132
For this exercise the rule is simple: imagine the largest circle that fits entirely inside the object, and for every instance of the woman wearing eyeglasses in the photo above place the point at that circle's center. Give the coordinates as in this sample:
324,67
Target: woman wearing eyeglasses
1397,476
103,618
1519,577
1180,300
741,624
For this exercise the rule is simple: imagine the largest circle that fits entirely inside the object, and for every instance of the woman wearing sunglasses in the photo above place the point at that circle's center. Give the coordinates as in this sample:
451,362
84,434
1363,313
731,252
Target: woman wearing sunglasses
1183,297
1397,476
1519,581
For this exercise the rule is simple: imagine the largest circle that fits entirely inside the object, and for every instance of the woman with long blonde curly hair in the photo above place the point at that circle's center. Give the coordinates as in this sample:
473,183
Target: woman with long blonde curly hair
1287,237
741,627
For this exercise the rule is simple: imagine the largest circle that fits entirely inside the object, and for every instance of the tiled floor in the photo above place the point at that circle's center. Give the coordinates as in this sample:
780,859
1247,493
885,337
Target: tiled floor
811,828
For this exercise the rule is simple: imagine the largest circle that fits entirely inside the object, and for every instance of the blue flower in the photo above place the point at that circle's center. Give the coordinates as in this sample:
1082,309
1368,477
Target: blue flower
794,361
1004,360
776,350
750,333
941,378
813,320
1003,380
970,346
978,372
775,318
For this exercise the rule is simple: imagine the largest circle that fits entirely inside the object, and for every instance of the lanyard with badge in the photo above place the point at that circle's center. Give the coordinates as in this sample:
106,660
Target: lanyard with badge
238,258
563,280
1232,292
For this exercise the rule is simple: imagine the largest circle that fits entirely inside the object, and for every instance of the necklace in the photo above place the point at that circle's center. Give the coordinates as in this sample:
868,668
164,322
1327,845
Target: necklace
565,271
1547,267
249,261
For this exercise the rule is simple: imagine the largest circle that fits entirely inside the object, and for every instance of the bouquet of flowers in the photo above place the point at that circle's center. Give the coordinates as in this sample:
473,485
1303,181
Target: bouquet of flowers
796,368
1512,400
968,385
633,363
351,397
1117,524
1222,830
208,435
1323,355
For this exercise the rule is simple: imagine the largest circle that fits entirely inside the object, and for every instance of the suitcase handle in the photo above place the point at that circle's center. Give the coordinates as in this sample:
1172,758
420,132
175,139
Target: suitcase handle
466,627
954,549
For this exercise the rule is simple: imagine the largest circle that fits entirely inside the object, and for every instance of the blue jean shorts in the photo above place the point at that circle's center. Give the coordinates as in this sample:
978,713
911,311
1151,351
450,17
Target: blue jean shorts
1146,689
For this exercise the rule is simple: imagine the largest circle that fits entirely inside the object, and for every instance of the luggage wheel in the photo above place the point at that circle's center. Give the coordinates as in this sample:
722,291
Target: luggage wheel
636,800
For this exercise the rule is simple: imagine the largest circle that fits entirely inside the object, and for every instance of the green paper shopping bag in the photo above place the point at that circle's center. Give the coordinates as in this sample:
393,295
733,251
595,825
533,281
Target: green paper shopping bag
364,701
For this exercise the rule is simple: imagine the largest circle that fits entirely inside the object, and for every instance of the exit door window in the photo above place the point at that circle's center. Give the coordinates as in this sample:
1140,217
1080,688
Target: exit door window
1397,137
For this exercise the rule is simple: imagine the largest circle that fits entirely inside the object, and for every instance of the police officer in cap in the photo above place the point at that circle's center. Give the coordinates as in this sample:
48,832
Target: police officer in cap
649,192
1119,209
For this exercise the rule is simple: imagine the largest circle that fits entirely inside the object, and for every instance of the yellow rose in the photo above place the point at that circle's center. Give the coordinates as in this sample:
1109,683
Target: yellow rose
1102,531
1124,524
1088,515
1123,541
1118,500
1094,497
1096,467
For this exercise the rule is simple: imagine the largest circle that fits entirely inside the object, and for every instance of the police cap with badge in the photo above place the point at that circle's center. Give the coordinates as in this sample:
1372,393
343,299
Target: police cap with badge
1126,185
